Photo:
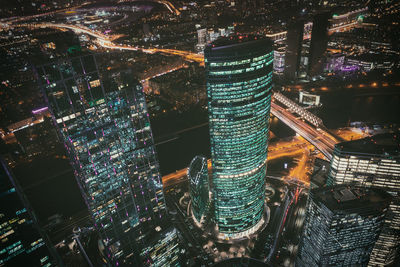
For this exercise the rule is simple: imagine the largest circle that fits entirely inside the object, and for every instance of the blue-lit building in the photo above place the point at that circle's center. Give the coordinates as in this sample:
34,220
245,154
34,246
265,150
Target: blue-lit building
342,224
103,120
22,243
198,187
239,82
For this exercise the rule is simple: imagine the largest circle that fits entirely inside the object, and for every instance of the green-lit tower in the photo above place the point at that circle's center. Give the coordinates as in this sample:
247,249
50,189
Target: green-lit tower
198,187
239,82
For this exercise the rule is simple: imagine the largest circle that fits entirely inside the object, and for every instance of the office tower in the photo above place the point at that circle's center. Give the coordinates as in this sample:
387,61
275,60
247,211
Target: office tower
279,60
373,161
198,187
104,123
319,42
238,74
201,36
294,42
342,225
22,241
162,248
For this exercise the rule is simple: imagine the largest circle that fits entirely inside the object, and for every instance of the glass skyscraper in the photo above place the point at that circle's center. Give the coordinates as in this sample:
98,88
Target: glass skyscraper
342,224
198,187
21,241
373,162
238,75
103,120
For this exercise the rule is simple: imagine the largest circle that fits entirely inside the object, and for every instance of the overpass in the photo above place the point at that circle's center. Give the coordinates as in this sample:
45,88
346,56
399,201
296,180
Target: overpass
295,108
322,140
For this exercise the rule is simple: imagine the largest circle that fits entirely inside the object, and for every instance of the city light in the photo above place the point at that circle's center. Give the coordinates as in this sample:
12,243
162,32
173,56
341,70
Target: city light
199,133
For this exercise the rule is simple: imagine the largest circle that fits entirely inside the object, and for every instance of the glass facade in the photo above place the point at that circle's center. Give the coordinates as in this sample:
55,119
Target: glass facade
198,187
238,75
21,243
342,224
373,161
103,120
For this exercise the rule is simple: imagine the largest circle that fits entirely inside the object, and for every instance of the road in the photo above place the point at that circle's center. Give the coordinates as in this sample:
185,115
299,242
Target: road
276,150
319,138
106,41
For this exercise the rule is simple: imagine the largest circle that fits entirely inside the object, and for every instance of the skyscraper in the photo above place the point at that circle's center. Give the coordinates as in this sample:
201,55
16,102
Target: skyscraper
21,241
319,42
342,225
201,40
103,120
238,74
373,161
293,49
198,187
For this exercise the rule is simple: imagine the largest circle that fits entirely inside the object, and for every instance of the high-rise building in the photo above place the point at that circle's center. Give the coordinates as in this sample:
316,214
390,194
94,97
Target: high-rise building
103,120
342,225
373,161
198,187
239,82
279,60
201,40
294,42
201,36
22,241
319,42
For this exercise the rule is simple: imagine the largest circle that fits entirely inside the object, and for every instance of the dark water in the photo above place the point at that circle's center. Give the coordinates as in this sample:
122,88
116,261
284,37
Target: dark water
50,187
177,154
340,108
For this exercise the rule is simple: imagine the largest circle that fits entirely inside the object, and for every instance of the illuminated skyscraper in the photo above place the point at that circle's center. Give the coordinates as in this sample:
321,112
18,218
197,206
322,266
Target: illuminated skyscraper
373,161
199,186
103,120
21,243
239,73
342,225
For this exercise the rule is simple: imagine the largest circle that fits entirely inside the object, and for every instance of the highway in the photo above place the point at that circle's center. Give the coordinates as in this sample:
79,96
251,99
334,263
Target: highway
319,138
106,41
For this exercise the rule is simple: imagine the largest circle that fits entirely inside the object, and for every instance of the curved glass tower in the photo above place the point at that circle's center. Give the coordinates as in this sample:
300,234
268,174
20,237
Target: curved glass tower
198,187
239,73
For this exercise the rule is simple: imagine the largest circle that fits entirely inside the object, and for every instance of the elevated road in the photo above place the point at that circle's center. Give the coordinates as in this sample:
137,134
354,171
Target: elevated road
317,137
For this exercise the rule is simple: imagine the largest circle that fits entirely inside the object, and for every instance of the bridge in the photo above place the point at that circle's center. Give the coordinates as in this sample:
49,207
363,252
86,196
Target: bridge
318,137
295,108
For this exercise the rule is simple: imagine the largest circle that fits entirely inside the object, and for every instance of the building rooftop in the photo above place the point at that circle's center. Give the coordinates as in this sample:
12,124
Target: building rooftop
237,43
196,167
348,197
381,145
320,173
